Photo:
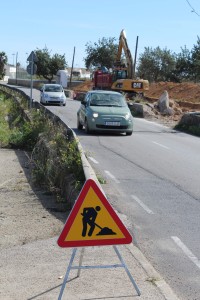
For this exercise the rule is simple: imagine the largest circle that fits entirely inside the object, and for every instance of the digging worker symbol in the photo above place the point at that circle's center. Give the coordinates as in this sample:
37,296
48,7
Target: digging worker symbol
89,216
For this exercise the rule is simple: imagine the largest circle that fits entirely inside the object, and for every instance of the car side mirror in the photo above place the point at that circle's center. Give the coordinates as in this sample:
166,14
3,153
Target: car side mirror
83,102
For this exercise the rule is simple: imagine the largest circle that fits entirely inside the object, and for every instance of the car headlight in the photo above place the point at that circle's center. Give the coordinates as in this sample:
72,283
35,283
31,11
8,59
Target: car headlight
62,97
95,115
46,96
127,116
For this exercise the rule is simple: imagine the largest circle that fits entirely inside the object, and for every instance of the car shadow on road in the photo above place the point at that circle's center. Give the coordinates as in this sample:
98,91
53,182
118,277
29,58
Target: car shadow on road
99,133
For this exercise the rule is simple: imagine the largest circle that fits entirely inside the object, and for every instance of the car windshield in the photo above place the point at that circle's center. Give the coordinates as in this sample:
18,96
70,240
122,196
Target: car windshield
107,100
53,88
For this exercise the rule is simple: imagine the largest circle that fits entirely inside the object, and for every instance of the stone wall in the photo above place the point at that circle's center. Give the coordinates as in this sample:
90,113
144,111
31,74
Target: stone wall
26,82
38,83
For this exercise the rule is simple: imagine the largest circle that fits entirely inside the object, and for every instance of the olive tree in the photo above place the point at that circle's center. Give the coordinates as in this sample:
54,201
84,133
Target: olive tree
156,64
101,53
183,70
47,65
195,57
3,62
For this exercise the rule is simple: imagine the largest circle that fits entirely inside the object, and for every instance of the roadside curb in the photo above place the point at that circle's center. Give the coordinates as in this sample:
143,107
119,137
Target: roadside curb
152,274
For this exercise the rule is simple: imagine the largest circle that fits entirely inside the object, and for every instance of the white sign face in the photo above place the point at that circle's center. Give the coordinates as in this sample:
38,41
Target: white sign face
12,70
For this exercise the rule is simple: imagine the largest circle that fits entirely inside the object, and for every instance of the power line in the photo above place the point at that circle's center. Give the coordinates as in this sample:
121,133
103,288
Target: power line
193,10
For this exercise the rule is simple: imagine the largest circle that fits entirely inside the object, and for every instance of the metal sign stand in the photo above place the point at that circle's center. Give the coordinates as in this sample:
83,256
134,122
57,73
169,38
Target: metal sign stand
79,267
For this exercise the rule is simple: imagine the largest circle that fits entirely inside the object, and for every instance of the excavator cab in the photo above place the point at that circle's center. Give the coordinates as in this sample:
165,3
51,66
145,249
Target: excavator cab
119,74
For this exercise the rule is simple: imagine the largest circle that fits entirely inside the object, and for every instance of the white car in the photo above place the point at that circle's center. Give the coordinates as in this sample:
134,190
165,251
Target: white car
52,94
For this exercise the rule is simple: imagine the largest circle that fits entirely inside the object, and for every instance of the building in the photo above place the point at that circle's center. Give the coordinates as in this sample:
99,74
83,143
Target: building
79,73
10,72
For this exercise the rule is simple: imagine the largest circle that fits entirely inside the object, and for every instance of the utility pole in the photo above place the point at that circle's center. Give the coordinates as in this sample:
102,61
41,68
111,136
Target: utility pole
13,59
72,67
16,67
134,66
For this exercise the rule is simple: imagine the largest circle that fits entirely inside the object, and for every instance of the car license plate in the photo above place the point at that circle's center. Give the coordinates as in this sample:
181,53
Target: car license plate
113,123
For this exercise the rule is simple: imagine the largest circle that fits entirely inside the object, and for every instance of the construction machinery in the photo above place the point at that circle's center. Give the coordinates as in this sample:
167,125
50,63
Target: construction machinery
122,78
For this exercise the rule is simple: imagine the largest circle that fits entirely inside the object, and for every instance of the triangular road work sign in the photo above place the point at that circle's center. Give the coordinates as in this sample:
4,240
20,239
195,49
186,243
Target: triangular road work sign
93,221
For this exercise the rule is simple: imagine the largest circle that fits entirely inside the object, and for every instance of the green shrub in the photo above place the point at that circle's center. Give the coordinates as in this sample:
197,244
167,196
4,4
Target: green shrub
5,130
55,156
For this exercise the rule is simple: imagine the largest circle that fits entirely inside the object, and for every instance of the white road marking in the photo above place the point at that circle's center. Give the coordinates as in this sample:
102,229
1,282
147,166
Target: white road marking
111,176
189,254
160,145
93,160
144,206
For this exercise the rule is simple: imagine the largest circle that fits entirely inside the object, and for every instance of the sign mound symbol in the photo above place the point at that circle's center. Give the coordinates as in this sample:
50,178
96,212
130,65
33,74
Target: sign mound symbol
106,231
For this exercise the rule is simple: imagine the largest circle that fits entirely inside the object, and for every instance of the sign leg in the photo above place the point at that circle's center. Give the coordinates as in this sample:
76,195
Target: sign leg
67,273
127,271
80,261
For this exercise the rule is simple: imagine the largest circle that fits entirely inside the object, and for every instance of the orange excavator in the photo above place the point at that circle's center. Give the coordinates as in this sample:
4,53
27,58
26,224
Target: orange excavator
122,78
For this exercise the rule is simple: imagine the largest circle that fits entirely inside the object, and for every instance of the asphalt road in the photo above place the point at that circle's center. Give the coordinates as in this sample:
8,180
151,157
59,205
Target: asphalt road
153,178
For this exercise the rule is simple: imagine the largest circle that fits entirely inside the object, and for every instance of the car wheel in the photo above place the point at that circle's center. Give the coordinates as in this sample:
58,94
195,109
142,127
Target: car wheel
79,125
87,130
129,133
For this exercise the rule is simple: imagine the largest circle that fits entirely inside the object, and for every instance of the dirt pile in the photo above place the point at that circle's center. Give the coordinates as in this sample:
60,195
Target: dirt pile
84,86
187,92
184,97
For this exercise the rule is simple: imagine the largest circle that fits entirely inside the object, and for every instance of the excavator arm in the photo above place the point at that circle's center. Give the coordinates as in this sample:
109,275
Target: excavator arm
123,45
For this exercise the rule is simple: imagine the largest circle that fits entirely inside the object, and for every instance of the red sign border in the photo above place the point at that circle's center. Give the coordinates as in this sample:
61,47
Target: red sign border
99,242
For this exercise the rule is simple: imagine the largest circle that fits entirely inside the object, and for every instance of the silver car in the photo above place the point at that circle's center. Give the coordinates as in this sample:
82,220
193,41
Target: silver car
52,94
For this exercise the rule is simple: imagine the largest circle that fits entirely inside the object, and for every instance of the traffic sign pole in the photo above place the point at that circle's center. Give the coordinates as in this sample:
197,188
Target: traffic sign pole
31,69
31,93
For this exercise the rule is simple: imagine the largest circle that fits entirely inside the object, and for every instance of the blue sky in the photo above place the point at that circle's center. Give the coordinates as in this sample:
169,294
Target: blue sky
62,25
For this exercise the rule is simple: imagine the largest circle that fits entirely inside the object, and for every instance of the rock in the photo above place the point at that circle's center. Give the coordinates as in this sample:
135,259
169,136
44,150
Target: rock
192,118
148,110
168,111
143,110
138,109
163,103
